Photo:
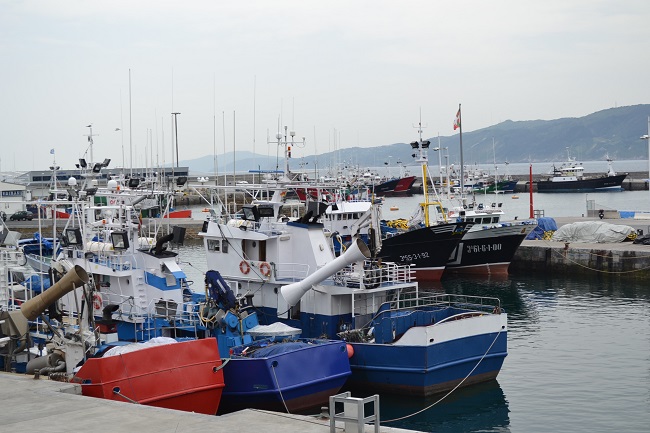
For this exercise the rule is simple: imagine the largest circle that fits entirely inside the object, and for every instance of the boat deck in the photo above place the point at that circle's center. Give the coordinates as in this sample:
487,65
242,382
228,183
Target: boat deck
52,407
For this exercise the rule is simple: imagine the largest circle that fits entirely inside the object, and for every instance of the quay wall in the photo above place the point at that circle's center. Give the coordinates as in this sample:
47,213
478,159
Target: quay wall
620,260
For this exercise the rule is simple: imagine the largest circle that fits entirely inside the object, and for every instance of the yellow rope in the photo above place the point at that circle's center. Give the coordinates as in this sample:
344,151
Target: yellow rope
561,253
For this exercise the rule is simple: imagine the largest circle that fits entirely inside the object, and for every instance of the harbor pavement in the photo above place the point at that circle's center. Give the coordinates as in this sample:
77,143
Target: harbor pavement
46,406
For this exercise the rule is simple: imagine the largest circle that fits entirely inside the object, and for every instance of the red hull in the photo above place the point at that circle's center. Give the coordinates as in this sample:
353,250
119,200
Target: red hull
187,213
429,274
484,269
405,184
177,376
62,215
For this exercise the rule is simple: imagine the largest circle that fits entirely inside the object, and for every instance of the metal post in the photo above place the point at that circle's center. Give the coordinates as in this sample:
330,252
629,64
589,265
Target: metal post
647,137
176,133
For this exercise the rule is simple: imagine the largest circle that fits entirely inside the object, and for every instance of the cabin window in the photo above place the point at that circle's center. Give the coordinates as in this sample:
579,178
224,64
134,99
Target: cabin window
214,245
224,246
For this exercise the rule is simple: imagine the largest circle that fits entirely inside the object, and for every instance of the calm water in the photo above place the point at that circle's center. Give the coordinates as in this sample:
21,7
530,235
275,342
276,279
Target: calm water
553,205
579,349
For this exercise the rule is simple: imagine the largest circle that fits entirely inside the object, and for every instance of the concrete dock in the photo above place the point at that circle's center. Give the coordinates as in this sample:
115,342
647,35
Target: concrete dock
42,405
621,259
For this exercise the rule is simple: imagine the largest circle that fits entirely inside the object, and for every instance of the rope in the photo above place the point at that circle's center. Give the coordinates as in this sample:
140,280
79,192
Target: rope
117,392
452,390
561,253
279,390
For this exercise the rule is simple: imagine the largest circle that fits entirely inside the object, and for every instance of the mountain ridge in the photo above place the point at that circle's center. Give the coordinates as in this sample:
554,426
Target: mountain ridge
612,132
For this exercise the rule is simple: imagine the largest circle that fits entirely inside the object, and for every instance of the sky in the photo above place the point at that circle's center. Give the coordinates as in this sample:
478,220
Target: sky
339,73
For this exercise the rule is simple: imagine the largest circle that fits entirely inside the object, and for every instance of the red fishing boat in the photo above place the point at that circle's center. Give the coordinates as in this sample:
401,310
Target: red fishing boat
174,375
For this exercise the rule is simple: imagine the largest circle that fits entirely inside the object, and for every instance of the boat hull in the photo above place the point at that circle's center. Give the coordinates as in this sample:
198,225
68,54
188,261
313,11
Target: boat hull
487,251
428,369
427,249
399,186
586,184
182,376
184,213
301,379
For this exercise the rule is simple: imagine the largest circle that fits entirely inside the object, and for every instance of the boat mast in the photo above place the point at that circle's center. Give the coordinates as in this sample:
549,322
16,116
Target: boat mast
422,158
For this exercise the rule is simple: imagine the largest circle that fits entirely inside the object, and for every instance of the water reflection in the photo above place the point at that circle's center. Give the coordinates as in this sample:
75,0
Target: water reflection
479,408
578,357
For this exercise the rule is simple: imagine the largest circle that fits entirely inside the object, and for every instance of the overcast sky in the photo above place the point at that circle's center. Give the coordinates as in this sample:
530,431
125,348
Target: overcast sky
340,73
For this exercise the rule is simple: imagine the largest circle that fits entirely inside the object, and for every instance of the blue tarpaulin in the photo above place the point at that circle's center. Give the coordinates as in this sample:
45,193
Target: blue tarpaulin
277,349
544,225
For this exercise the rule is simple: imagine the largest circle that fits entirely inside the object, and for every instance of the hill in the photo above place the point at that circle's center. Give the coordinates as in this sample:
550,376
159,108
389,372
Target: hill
614,132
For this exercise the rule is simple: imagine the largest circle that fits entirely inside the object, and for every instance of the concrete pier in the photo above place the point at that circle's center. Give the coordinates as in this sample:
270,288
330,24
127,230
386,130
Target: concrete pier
45,406
622,259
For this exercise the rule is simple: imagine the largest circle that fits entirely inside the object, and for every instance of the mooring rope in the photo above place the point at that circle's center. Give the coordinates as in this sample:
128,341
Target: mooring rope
452,390
279,390
560,252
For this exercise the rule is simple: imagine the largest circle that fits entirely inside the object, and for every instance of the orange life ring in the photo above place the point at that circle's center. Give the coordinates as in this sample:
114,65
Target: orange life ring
97,301
244,267
265,269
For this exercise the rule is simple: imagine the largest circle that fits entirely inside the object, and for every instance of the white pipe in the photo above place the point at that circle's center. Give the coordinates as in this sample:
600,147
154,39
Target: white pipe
294,291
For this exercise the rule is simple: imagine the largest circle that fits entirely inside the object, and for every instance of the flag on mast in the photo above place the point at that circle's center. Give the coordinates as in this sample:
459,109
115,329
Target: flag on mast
457,120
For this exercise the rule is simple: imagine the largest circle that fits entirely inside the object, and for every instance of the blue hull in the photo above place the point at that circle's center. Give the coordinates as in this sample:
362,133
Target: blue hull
415,370
426,370
293,377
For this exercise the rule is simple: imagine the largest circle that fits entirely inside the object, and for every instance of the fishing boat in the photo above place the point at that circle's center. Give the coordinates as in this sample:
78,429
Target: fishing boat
395,186
161,372
489,246
426,242
269,367
401,340
186,376
570,177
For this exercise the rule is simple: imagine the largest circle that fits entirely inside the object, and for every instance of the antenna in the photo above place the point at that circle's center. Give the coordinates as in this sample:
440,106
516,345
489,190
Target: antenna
90,136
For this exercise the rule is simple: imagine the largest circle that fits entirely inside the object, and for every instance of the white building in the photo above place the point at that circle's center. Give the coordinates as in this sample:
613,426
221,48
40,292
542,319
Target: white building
13,197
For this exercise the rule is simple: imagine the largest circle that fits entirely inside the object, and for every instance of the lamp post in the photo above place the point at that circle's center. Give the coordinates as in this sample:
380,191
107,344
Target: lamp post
439,150
647,137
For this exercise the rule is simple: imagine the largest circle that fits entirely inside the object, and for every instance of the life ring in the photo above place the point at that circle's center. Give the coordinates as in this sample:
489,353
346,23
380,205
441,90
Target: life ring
265,269
97,301
244,267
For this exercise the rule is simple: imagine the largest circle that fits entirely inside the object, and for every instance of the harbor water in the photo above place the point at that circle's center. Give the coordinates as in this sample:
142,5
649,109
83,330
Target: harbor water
579,349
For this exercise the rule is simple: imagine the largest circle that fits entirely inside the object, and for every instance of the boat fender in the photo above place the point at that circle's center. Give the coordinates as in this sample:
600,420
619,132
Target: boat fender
265,269
350,350
244,267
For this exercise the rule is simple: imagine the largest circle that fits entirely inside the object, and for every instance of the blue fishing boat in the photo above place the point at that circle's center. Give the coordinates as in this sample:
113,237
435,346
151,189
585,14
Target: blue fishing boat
269,367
